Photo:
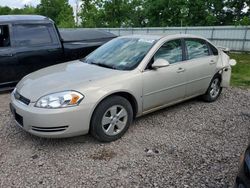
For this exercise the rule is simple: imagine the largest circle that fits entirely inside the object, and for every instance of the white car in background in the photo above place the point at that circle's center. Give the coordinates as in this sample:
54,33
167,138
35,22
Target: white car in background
127,77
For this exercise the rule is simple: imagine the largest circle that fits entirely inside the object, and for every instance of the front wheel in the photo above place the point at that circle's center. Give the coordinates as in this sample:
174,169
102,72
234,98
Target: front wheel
213,91
111,119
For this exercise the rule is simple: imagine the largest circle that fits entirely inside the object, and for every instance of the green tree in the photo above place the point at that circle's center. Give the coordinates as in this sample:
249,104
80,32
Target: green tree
141,13
137,16
112,13
198,13
117,12
234,11
58,10
245,21
195,12
25,10
164,13
91,13
5,10
29,10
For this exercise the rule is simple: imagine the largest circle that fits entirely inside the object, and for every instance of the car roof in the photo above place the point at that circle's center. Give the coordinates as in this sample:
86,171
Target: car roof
24,19
151,37
158,37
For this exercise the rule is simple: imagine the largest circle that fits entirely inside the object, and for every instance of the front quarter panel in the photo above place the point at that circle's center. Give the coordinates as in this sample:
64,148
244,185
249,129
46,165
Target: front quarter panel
130,82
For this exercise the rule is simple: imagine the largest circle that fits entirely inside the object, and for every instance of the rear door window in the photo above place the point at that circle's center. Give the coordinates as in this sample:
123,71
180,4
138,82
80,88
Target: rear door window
33,35
4,36
196,48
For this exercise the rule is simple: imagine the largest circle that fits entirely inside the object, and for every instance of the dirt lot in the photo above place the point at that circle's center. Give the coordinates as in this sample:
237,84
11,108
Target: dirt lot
193,144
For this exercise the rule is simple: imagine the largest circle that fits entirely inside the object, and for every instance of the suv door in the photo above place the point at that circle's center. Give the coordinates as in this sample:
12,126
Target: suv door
37,46
8,60
200,66
165,85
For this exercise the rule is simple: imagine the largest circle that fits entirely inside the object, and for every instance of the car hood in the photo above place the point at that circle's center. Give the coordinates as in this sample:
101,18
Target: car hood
67,76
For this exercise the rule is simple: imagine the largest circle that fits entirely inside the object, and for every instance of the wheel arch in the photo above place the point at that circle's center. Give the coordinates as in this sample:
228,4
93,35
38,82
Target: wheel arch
127,95
219,74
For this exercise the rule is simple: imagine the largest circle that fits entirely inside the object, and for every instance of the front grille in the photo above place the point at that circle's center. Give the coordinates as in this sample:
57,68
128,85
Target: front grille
49,129
21,98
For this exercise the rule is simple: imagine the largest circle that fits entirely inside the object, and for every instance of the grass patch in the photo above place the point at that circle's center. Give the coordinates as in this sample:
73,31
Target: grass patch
241,72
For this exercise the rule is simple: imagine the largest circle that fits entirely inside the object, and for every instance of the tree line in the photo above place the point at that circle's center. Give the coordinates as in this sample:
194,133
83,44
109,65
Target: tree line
140,13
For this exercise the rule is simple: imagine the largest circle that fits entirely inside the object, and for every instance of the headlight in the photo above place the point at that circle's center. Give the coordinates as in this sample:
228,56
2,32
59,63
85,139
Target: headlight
60,100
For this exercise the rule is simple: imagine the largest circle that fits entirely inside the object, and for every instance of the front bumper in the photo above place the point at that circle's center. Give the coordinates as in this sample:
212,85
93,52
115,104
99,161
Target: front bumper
51,123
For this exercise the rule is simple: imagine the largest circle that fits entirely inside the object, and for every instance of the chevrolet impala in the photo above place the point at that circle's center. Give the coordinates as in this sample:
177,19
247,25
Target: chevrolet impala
125,78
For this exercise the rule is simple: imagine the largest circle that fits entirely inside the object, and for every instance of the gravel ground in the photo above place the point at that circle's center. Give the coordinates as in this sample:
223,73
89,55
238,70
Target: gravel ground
193,144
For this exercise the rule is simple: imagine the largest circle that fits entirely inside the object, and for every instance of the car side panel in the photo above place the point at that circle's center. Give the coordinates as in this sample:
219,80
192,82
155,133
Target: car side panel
163,86
199,74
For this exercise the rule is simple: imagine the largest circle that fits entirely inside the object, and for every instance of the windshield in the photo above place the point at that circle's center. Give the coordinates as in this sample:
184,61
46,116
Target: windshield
121,53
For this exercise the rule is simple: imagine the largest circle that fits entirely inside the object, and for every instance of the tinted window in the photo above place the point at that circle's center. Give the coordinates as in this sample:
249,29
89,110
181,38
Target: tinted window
4,36
214,51
196,48
28,35
170,51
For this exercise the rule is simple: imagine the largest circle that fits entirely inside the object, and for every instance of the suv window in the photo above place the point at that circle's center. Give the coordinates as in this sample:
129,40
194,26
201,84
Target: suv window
196,48
4,36
32,35
170,51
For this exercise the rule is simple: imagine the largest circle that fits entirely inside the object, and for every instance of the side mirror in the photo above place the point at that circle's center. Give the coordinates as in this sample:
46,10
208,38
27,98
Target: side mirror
232,62
159,63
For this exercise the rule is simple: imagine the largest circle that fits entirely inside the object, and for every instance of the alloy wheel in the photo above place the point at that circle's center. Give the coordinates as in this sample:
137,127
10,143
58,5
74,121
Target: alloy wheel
114,120
215,88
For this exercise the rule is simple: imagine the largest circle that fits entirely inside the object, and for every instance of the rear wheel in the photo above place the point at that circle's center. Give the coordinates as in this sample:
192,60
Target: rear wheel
111,119
214,90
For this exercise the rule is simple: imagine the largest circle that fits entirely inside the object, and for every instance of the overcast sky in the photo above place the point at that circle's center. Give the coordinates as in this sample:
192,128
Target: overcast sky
20,3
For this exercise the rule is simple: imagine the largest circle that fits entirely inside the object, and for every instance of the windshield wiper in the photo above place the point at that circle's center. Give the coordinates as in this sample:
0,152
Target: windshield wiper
102,65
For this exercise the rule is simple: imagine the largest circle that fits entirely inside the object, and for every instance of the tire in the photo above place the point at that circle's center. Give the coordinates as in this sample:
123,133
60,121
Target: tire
111,119
214,90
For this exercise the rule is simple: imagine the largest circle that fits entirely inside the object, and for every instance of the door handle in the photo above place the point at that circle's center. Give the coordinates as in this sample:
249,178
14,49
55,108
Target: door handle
52,50
6,55
180,70
212,62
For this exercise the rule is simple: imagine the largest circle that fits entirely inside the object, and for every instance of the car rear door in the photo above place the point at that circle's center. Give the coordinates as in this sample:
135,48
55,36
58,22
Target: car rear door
8,60
165,85
200,66
37,46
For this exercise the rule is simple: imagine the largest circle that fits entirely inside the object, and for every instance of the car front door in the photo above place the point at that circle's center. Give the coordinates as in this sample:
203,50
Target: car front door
200,66
165,85
8,60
